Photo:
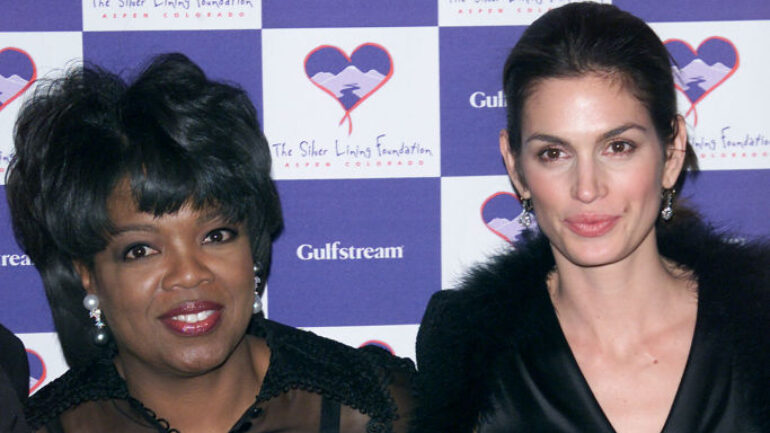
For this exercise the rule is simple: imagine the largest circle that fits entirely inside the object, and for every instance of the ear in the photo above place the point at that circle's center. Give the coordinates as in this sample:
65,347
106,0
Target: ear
510,165
85,276
675,154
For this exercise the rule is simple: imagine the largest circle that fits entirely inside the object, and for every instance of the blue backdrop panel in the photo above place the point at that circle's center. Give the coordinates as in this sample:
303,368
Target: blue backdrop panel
229,55
23,307
396,218
696,10
347,13
472,103
40,15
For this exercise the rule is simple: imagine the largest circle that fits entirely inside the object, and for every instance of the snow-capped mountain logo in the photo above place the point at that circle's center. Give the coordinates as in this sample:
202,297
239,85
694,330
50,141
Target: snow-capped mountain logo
349,79
499,213
698,72
17,73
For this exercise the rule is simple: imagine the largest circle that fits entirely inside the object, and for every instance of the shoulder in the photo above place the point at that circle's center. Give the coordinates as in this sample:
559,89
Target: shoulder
492,301
733,274
495,307
97,381
716,255
733,277
365,379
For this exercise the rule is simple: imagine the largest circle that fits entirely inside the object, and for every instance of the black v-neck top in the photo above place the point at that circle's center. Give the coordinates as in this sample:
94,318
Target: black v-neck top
492,356
312,385
545,391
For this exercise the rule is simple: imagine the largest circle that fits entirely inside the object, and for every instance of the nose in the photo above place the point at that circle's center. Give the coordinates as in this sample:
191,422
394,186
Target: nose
185,270
588,184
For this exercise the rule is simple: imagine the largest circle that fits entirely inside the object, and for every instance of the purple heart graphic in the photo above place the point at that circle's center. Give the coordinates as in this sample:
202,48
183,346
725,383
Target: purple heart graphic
499,213
349,79
17,73
698,72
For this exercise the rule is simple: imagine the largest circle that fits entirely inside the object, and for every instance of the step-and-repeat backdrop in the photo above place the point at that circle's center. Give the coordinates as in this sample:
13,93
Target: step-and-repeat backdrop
382,118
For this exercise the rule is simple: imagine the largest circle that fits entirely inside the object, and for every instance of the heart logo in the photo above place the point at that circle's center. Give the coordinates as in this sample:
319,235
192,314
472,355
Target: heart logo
17,73
499,213
349,79
698,72
37,370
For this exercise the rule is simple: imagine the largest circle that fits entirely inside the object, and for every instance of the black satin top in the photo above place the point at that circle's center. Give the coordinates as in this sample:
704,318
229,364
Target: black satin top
492,356
545,391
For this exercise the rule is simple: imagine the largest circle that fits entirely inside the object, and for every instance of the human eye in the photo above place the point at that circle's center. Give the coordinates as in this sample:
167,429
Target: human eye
138,251
551,154
620,147
220,235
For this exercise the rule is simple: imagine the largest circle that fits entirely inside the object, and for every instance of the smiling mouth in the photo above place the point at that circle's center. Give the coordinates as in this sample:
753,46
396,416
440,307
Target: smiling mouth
591,226
192,319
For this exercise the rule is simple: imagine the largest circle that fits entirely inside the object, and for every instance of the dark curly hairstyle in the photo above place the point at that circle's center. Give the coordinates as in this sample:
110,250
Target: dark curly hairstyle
584,38
175,136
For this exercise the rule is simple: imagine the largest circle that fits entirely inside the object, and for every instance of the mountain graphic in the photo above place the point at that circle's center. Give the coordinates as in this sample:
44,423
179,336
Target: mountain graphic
508,228
699,77
10,86
347,79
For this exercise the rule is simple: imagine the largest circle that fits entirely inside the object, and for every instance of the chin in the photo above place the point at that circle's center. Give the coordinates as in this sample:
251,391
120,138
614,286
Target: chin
203,358
591,254
197,364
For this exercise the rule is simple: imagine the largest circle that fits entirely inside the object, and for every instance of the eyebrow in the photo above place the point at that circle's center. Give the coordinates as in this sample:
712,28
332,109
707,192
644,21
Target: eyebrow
621,129
609,134
206,217
133,228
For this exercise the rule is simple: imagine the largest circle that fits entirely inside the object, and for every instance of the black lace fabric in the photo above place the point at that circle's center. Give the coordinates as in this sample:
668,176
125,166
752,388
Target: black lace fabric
312,385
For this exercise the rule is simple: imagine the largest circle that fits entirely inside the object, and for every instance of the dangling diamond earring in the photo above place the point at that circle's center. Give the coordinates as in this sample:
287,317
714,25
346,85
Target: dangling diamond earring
525,217
100,335
668,198
257,306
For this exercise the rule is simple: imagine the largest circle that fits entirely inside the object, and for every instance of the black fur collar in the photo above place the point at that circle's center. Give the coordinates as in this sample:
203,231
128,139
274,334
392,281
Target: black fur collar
733,289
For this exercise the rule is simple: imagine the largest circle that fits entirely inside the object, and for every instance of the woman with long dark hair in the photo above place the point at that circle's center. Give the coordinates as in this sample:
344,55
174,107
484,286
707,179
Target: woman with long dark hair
624,312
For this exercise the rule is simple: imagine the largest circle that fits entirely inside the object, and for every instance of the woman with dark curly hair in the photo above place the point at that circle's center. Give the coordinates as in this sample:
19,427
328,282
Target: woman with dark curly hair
624,312
149,211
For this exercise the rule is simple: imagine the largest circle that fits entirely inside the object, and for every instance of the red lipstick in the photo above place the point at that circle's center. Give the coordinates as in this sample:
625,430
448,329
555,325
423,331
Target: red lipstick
193,318
591,225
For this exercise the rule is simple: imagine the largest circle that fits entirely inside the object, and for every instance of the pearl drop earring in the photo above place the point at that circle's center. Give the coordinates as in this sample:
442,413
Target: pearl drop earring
100,335
256,307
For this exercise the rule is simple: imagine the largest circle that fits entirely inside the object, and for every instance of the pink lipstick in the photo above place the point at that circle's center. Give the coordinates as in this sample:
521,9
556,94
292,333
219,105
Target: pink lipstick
192,318
591,225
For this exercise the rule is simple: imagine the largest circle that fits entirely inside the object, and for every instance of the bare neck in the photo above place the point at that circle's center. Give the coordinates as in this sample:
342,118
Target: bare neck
212,401
618,304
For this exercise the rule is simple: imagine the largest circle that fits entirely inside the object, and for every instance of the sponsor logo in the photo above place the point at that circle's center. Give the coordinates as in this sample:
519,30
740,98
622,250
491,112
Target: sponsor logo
14,260
482,100
380,344
335,251
349,79
170,5
17,73
163,14
698,72
37,370
496,12
499,212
